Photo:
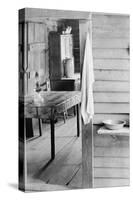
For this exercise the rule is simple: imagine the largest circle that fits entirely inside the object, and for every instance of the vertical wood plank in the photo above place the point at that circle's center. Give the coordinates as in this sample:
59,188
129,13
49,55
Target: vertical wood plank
87,155
78,120
52,135
87,130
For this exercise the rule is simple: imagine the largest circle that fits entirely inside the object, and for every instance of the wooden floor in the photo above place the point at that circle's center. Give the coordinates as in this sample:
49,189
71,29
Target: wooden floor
111,159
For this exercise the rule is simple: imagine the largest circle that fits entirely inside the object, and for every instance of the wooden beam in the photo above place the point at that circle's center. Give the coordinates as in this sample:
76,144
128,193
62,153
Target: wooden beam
87,155
37,14
87,130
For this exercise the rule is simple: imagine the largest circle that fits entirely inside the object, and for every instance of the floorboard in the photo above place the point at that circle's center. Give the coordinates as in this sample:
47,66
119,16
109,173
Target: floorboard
111,159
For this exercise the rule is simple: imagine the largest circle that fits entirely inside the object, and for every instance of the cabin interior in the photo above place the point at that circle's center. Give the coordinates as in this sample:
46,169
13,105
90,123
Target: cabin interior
90,160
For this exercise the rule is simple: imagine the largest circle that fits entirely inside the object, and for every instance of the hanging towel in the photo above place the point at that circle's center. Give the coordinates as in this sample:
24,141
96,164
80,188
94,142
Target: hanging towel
87,105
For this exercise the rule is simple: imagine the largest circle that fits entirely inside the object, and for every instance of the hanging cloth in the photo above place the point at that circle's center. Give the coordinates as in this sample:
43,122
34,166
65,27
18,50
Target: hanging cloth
87,104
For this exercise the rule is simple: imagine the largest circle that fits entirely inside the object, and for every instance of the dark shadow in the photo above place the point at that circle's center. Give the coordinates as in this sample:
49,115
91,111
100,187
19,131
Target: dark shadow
42,169
13,185
33,138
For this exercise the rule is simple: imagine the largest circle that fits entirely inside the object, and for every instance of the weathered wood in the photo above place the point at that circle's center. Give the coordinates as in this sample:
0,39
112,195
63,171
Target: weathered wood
32,14
113,86
112,108
63,158
98,118
78,119
108,140
111,53
112,151
111,173
120,132
110,162
31,32
112,64
20,33
40,126
52,135
87,130
106,75
37,47
110,182
110,97
110,43
76,182
87,155
68,154
110,32
68,172
104,20
40,32
38,185
83,29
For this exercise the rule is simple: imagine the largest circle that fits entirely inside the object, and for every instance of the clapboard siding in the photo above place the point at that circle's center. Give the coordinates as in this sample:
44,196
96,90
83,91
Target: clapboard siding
102,75
116,21
111,86
110,53
112,32
110,42
98,118
111,97
112,64
111,107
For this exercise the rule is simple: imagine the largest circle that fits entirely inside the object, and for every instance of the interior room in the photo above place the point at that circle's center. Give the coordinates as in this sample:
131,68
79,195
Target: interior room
57,150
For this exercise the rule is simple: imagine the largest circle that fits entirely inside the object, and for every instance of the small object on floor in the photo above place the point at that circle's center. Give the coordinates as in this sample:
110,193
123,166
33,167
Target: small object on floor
119,132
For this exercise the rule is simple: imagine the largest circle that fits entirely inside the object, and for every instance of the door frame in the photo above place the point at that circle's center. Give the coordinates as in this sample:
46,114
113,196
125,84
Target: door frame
85,24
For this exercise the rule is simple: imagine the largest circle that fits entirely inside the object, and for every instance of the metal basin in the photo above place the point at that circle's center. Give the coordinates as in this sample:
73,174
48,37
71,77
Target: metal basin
114,124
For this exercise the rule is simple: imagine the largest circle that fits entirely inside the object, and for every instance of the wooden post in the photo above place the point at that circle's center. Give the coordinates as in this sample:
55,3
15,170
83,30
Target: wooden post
87,155
25,57
40,126
52,135
87,130
78,120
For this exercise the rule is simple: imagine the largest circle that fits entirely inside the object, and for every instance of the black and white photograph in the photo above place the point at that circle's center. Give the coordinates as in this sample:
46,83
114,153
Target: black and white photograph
74,99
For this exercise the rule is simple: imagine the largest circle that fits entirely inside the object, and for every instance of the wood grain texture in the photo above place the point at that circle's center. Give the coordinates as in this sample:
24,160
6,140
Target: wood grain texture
111,53
99,117
120,132
110,32
110,43
117,21
113,86
112,64
111,108
111,173
112,151
110,97
106,75
109,182
39,14
110,162
87,155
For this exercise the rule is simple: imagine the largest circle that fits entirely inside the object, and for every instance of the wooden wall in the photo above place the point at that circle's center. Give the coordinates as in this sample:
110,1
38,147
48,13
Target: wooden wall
37,51
110,40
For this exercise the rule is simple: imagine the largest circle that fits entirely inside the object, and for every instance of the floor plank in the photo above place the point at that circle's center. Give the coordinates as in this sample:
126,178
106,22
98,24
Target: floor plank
111,159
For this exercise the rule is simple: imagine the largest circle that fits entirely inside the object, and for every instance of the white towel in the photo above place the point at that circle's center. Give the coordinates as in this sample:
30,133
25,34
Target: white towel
87,105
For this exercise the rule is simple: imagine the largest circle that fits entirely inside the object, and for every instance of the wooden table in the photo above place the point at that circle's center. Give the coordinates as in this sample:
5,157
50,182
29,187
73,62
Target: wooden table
52,103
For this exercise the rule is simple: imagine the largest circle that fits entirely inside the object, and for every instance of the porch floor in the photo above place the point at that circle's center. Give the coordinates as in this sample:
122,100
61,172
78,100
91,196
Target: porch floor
111,159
